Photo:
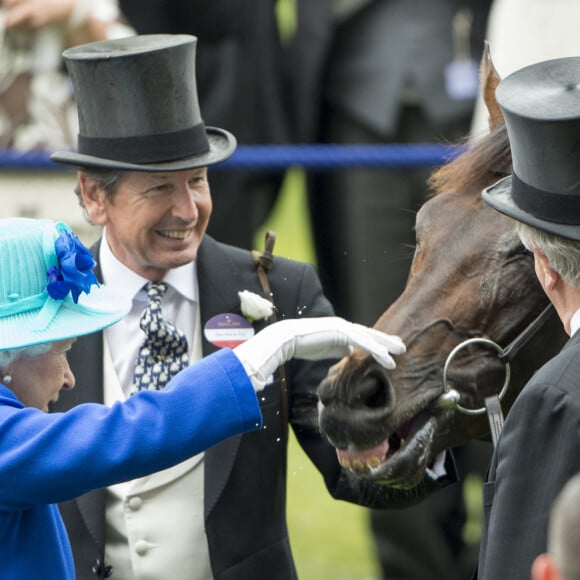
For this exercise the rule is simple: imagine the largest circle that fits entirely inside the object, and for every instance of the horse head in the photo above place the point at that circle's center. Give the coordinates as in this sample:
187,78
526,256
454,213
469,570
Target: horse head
470,278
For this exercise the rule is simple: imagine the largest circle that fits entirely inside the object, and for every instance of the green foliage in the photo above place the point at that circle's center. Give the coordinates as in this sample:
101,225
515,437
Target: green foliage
290,221
330,539
286,16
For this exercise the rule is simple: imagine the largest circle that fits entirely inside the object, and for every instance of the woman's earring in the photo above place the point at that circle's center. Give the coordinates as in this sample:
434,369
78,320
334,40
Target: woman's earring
7,378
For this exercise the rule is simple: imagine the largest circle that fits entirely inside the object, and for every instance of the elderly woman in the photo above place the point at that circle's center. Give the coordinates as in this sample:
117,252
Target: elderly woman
46,299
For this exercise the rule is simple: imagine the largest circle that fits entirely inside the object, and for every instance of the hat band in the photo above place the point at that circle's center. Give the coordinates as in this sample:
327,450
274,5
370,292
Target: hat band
23,305
46,306
148,148
560,208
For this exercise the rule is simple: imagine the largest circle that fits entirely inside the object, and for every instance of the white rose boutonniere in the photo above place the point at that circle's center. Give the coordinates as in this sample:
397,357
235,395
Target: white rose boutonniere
254,307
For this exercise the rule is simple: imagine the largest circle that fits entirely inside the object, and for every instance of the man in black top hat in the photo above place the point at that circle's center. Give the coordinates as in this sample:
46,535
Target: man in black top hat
539,449
143,153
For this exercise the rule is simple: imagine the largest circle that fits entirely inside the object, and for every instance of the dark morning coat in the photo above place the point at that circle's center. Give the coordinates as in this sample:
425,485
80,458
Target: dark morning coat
539,450
245,479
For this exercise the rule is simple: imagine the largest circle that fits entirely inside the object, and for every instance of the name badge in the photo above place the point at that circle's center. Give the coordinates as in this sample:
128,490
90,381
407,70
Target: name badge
227,330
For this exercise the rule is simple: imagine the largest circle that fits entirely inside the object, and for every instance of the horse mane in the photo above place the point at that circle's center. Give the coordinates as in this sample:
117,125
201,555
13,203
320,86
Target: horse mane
486,159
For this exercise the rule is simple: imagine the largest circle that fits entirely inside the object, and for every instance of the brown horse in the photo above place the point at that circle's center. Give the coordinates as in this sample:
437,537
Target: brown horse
470,278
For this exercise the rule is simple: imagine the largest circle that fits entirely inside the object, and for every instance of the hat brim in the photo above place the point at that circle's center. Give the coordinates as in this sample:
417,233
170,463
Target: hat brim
95,311
499,197
222,145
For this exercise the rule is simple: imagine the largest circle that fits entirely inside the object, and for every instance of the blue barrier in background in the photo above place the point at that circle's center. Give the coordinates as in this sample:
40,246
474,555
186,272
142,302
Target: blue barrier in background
277,157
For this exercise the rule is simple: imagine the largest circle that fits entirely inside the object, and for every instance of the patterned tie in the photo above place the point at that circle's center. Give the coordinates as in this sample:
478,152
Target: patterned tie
164,352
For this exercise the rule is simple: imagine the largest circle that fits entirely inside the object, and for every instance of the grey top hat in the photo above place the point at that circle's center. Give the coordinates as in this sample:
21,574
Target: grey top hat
541,107
138,107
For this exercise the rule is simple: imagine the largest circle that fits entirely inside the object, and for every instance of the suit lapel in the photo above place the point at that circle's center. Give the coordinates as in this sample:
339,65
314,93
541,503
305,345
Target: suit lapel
86,363
572,341
219,279
491,472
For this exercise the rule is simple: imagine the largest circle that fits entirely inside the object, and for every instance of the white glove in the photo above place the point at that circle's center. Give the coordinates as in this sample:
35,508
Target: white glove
312,339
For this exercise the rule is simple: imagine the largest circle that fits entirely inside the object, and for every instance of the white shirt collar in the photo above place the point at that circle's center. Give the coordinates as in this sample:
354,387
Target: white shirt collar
182,279
575,322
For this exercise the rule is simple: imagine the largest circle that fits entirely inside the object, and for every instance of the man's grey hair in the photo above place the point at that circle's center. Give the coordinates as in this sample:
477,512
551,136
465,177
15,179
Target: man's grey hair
563,530
106,179
8,356
563,254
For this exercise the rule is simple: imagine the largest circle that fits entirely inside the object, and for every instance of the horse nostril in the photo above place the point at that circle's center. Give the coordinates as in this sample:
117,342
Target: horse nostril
373,392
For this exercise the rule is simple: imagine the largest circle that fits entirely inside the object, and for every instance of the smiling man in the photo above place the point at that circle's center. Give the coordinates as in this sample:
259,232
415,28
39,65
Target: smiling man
143,156
155,221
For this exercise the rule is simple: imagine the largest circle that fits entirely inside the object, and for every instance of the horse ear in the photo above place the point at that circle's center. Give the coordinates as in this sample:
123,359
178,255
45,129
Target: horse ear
489,80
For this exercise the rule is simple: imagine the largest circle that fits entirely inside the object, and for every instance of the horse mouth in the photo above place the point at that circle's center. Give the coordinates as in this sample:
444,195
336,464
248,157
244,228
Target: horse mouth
365,460
401,459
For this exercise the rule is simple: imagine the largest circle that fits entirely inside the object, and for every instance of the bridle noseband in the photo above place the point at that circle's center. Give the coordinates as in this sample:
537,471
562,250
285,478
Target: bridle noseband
450,397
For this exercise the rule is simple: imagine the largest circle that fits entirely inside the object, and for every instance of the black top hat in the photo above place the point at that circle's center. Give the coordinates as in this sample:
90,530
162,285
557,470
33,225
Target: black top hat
541,107
138,108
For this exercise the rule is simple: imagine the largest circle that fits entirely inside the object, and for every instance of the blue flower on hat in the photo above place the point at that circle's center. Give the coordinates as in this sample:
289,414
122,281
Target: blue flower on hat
74,272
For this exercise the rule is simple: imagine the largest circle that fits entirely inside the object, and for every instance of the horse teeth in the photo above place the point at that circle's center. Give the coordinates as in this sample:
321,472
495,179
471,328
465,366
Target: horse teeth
360,465
345,462
373,461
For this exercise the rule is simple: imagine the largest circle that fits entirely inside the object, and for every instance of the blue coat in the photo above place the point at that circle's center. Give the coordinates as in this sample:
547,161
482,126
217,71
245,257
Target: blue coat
48,458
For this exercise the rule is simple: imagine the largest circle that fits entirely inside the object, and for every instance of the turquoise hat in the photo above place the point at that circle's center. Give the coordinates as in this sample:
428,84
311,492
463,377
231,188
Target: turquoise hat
48,290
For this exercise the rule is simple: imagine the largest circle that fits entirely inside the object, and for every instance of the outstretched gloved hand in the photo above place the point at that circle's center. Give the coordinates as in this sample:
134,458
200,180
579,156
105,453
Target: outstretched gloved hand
312,339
